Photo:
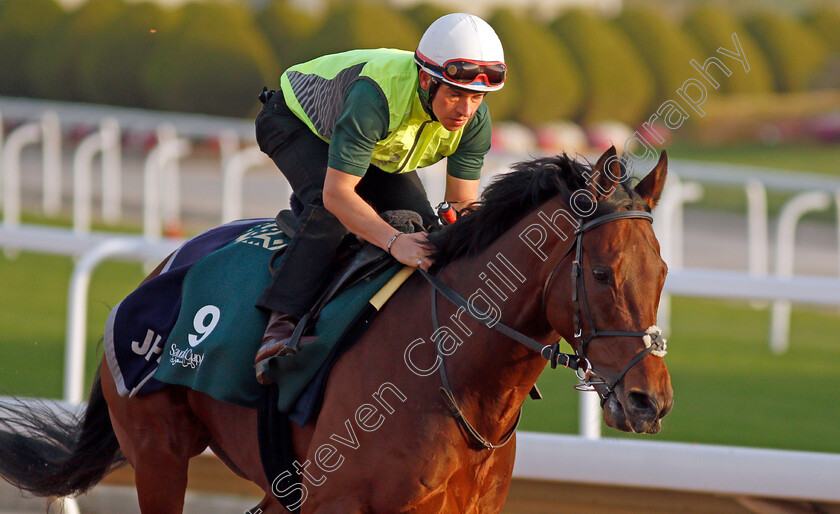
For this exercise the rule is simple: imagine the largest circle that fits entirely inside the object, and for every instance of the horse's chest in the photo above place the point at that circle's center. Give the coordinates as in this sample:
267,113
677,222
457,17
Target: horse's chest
454,480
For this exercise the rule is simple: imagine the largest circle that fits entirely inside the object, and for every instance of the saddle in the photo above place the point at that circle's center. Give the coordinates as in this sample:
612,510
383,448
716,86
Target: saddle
356,262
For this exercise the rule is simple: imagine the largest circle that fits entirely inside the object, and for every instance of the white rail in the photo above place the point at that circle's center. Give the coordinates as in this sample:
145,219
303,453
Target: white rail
136,120
707,283
668,222
701,468
679,466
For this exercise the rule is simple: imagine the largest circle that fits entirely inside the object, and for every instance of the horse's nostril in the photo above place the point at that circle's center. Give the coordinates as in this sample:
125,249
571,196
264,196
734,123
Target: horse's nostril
640,402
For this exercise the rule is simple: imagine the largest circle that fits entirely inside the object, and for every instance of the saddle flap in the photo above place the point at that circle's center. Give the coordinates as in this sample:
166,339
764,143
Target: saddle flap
287,222
368,260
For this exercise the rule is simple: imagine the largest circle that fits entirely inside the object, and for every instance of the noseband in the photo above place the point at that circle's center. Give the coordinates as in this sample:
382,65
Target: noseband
590,379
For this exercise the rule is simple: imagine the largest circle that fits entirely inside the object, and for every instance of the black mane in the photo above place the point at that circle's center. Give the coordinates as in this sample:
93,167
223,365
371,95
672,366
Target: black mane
510,196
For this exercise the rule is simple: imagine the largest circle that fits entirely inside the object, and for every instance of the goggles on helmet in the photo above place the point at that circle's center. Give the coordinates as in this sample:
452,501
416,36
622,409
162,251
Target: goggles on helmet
467,71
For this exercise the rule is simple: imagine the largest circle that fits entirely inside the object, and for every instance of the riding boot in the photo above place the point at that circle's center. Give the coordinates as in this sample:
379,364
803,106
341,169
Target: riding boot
278,332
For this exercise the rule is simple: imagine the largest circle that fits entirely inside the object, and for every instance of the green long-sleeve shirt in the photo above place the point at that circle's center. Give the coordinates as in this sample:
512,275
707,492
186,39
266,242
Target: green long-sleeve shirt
364,121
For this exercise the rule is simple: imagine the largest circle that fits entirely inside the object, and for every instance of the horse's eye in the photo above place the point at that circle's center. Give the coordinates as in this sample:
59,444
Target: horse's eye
601,274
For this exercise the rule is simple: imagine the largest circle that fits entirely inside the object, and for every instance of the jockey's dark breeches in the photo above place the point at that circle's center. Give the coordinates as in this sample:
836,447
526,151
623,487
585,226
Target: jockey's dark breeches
301,156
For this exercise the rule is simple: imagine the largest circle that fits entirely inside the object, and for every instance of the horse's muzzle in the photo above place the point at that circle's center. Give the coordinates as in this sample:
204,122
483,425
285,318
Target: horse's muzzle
635,411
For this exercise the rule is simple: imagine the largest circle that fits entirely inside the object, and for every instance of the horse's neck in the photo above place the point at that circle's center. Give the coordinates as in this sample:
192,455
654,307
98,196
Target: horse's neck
490,372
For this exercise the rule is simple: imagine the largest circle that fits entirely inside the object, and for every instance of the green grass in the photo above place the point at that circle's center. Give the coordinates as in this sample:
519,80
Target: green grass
33,318
728,387
821,159
824,159
124,227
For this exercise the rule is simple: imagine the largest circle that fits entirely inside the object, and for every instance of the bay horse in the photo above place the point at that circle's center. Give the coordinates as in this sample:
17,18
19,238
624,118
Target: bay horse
386,439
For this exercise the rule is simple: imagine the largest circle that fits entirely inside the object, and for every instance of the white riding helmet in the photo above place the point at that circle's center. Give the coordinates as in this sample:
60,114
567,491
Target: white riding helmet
463,51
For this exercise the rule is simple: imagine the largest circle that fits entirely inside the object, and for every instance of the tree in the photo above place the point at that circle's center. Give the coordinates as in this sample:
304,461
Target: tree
22,24
617,83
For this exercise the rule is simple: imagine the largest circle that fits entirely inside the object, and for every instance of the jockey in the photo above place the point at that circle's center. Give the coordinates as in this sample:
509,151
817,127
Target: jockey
349,130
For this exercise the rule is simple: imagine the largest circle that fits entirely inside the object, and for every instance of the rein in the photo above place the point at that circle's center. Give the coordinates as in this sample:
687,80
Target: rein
577,361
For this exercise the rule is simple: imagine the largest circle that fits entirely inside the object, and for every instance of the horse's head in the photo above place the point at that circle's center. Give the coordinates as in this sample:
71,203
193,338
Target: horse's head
614,296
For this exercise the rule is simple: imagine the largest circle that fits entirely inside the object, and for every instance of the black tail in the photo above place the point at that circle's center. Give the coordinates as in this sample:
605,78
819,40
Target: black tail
53,453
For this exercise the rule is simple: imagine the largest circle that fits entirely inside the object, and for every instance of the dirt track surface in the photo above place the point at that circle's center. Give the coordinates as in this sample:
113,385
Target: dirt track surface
213,488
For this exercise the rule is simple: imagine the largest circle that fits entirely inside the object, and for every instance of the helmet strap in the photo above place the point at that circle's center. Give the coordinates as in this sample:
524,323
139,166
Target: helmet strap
427,95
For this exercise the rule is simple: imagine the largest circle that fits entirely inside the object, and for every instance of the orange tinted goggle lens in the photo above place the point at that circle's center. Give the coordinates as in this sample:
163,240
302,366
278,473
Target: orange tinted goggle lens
466,72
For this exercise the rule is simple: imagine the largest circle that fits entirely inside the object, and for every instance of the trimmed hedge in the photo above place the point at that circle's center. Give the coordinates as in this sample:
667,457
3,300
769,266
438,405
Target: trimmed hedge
22,24
363,24
112,70
424,14
54,61
543,83
825,21
618,84
215,61
713,26
665,47
289,30
214,57
795,54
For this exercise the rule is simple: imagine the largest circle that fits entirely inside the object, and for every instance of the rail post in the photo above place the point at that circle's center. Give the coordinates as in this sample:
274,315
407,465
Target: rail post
170,178
111,171
789,217
668,224
232,177
105,141
757,227
26,134
156,165
51,130
228,146
82,172
2,135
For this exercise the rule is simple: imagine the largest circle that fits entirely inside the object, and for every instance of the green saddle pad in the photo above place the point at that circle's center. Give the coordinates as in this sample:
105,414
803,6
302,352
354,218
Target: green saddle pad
218,331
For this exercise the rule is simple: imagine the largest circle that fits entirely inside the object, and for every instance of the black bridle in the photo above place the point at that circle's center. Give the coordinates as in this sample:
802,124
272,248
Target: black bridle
590,379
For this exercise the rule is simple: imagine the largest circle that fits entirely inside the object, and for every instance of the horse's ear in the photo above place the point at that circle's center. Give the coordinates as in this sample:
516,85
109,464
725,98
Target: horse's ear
608,172
650,188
